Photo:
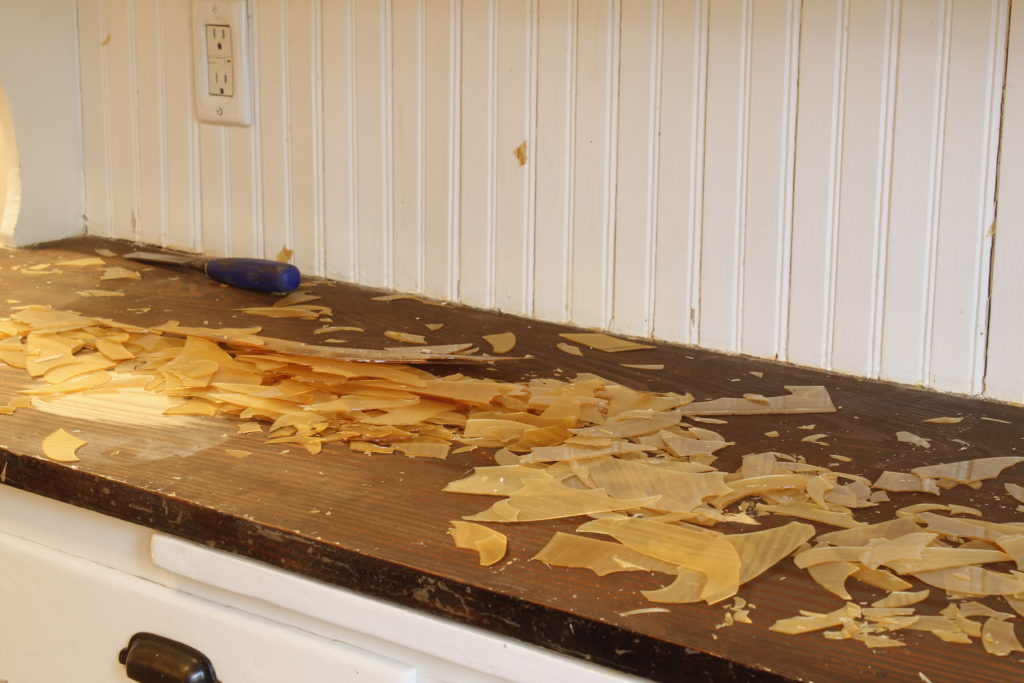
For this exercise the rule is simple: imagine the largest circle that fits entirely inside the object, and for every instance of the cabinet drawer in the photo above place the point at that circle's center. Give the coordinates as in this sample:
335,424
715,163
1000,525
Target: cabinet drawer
66,619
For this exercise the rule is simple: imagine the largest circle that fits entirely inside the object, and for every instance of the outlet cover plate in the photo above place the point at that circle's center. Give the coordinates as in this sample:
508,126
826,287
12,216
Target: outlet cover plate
236,109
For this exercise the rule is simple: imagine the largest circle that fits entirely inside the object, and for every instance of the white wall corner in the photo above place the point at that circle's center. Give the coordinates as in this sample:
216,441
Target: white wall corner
39,72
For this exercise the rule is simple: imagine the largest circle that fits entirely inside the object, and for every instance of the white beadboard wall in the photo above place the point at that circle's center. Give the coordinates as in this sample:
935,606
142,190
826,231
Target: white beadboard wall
808,180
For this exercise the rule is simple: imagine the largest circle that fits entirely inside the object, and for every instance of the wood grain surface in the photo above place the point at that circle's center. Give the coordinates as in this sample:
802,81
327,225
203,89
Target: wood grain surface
378,524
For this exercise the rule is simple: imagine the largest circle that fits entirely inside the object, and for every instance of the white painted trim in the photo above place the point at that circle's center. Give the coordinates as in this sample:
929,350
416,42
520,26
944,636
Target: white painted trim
447,640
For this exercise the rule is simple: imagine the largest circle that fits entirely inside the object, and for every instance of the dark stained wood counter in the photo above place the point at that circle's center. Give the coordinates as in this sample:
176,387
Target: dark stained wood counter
378,525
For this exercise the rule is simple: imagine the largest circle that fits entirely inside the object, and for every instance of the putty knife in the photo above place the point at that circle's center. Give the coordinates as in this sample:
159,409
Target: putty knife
260,275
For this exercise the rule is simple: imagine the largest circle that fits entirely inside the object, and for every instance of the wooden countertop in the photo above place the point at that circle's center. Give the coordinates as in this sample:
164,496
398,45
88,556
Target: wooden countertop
379,524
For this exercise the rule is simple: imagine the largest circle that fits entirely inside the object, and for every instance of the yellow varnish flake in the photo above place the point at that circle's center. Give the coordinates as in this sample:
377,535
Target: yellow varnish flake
1015,490
82,262
999,638
569,349
490,544
305,312
501,343
330,329
119,273
601,557
61,446
398,297
405,337
296,297
604,342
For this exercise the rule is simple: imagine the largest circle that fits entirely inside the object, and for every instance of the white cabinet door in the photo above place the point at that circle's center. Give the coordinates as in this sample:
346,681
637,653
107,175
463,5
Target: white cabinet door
66,619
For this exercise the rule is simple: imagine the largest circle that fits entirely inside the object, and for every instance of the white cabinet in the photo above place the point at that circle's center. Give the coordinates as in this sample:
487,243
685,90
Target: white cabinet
77,585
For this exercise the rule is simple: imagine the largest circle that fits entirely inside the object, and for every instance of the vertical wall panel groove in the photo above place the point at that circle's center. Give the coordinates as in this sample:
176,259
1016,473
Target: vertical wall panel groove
931,245
987,147
634,160
836,177
570,168
319,250
786,185
735,334
163,108
387,151
421,134
530,191
133,85
259,246
698,133
590,181
94,149
811,180
112,217
912,207
653,177
552,157
225,191
1004,374
611,166
491,108
454,242
884,175
286,88
149,135
353,147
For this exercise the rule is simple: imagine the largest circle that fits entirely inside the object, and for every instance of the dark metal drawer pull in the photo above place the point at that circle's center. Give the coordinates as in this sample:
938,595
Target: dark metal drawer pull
150,658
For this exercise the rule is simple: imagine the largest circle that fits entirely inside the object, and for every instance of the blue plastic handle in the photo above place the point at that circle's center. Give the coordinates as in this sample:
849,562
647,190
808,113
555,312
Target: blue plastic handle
260,275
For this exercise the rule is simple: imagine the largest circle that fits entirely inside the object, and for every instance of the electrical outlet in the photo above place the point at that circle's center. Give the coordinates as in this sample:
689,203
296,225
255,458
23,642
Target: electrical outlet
221,80
218,41
221,61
